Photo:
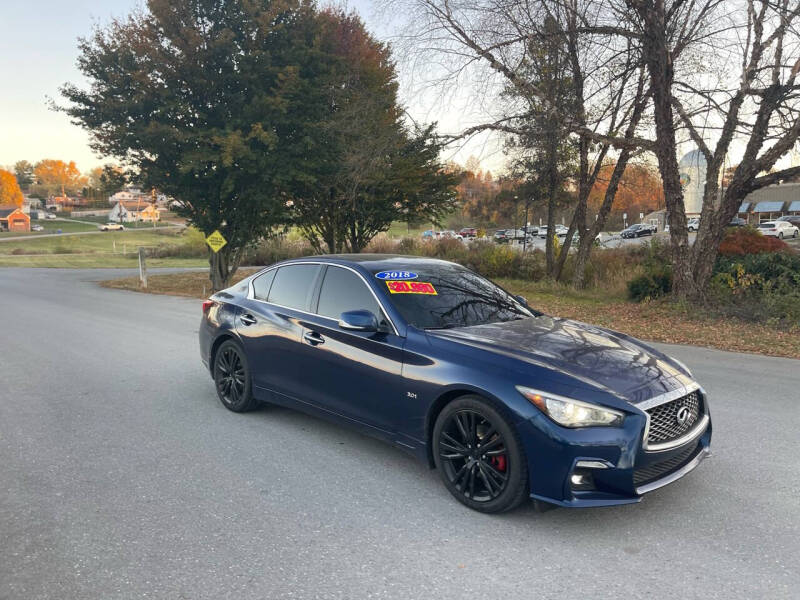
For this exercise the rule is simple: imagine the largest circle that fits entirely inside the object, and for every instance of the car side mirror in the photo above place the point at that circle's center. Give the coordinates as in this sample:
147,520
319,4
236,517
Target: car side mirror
358,320
522,300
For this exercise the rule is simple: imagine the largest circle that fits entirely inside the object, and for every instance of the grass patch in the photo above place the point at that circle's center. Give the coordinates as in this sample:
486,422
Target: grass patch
106,249
195,284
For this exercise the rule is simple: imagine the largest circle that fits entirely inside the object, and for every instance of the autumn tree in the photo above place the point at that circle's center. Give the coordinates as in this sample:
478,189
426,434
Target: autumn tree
639,189
10,194
56,176
368,168
212,103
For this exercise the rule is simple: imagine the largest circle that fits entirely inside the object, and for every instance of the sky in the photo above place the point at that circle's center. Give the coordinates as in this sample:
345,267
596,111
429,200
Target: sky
38,53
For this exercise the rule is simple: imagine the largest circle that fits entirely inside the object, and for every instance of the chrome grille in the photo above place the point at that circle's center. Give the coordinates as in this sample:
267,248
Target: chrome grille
664,423
659,469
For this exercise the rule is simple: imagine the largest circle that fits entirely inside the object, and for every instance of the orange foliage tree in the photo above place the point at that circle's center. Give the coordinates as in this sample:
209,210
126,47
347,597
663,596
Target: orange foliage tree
640,190
10,194
54,175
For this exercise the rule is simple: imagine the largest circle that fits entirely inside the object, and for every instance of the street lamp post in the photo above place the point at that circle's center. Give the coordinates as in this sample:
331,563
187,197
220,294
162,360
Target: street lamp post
525,227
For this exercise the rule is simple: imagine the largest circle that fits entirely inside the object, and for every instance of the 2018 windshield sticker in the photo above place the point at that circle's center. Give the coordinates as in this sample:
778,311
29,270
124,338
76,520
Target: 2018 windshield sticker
411,287
396,275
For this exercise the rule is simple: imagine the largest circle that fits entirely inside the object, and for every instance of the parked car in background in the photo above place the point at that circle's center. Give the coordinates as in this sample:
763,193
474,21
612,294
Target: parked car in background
468,232
111,227
500,236
37,227
507,403
693,224
428,235
778,229
560,231
737,222
515,234
450,235
793,219
49,215
636,230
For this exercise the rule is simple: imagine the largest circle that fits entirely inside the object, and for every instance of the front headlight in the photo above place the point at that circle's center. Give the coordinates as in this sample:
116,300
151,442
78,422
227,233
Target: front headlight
571,413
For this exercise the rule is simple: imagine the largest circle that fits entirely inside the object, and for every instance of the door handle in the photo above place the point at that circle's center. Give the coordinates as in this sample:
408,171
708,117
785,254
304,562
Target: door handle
313,338
248,319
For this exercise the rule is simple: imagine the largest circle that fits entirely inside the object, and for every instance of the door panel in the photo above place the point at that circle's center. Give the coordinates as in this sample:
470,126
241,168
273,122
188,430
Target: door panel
271,333
271,343
355,374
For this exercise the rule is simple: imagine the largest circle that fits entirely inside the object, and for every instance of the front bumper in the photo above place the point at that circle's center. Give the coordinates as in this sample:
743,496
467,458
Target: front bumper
612,462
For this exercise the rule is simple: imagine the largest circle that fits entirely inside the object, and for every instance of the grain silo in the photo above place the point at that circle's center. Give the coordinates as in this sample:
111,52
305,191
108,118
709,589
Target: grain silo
692,169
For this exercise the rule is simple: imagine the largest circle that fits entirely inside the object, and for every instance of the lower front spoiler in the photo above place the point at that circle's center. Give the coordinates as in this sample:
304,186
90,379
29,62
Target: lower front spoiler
579,500
704,453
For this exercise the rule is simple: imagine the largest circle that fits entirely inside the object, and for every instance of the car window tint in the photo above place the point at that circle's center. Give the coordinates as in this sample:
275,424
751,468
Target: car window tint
292,286
342,290
460,298
262,283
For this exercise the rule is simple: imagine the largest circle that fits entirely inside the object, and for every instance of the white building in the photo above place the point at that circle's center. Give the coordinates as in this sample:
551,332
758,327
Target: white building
129,212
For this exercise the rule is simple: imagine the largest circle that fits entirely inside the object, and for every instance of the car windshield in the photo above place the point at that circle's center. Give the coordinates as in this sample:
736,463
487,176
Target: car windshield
444,296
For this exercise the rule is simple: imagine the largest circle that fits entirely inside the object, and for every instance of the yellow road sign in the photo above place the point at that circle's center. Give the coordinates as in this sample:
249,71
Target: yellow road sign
215,241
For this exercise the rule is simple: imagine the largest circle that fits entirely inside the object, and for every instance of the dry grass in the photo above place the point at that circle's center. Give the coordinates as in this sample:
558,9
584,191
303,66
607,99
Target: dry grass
655,321
195,284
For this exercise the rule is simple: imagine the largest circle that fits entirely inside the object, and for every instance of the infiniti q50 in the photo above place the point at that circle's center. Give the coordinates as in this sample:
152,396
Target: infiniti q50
506,402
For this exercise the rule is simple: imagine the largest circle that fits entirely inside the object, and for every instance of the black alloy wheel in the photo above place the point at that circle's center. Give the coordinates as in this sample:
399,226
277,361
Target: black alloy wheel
232,378
479,456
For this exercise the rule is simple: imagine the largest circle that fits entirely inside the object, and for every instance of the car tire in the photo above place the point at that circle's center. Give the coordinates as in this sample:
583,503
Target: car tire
794,235
490,483
780,235
232,378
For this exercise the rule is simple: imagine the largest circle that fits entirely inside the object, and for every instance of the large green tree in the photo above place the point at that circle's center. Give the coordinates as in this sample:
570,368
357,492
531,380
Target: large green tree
209,101
24,172
368,167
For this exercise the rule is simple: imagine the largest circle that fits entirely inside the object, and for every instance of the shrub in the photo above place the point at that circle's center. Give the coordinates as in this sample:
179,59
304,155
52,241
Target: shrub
741,241
276,249
761,287
652,284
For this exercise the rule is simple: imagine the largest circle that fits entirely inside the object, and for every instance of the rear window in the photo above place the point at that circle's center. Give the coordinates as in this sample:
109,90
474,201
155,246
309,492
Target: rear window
767,226
446,296
262,284
293,285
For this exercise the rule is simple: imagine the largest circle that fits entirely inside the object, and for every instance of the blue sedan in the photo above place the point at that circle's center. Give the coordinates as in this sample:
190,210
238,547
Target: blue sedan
505,402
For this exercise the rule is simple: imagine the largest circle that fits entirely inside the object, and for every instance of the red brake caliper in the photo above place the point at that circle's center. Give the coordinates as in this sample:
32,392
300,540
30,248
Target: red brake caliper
499,462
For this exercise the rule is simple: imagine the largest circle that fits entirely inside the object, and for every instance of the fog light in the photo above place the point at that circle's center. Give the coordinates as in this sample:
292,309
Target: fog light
581,480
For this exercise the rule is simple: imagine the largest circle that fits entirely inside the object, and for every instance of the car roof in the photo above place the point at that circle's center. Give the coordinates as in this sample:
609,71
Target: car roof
373,262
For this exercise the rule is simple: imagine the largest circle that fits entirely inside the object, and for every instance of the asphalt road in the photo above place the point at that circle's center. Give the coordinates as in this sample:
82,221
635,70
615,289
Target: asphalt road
121,476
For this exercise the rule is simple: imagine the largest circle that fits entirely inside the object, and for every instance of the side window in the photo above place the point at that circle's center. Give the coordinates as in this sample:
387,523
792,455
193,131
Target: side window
262,283
293,285
343,290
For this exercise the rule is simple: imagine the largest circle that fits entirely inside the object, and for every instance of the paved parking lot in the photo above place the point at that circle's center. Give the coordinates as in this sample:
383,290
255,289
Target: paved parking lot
123,477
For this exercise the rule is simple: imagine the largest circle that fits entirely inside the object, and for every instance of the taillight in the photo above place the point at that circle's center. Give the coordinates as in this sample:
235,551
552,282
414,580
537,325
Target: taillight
207,304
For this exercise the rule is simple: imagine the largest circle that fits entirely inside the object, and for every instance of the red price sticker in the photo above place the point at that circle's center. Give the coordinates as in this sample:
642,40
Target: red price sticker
411,287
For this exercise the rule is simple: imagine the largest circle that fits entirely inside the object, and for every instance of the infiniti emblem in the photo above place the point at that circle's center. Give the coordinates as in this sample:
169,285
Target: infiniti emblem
683,415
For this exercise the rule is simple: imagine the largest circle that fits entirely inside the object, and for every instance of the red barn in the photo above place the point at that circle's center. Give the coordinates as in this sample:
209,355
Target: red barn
13,219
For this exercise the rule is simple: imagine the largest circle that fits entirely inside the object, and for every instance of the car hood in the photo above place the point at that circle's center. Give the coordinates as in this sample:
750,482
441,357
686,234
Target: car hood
592,355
